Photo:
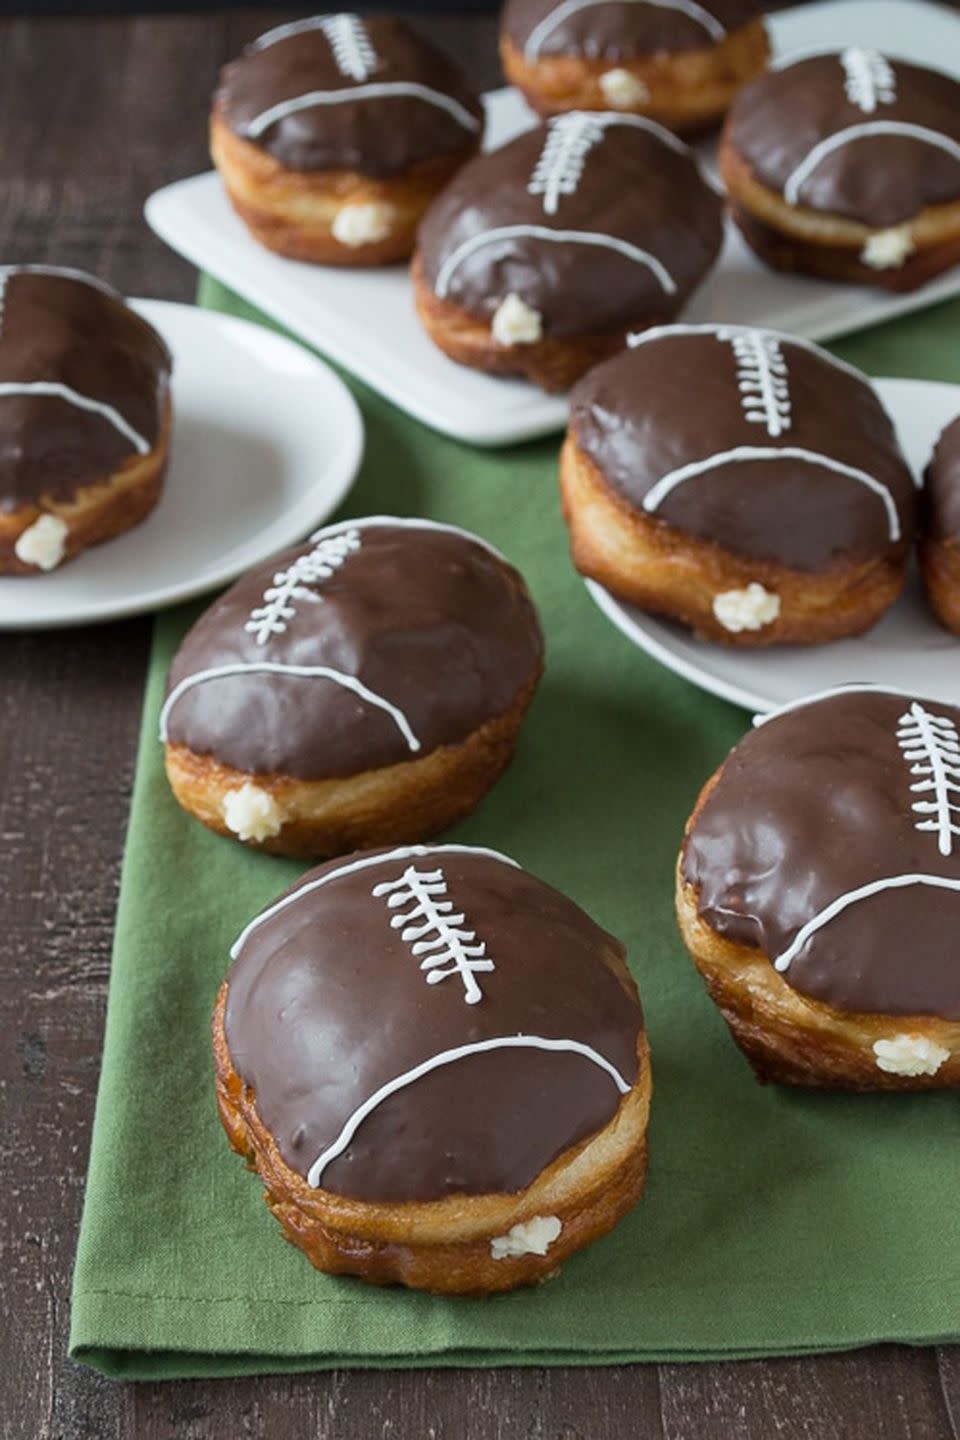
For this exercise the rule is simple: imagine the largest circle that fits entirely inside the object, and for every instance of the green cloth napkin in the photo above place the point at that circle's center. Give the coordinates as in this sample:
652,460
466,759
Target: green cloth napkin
773,1222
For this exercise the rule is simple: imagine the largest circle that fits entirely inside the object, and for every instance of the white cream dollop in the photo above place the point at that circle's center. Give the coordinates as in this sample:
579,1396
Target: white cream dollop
909,1055
363,224
529,1237
887,249
622,89
748,609
43,543
515,323
252,813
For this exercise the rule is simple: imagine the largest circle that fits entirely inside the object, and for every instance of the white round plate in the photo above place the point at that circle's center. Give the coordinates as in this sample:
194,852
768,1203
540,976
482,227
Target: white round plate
266,443
907,649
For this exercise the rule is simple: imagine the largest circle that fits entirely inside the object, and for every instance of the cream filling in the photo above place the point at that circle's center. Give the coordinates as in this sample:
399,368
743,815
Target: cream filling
366,224
515,323
749,609
43,543
888,249
621,89
529,1237
909,1055
252,813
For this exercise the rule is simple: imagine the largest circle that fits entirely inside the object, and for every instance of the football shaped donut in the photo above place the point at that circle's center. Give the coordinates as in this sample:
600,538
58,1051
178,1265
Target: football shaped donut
85,416
818,891
365,688
940,538
847,166
678,61
741,481
334,133
437,1065
539,257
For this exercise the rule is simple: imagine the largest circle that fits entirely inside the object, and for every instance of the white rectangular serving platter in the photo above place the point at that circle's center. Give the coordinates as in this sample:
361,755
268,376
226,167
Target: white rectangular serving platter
365,319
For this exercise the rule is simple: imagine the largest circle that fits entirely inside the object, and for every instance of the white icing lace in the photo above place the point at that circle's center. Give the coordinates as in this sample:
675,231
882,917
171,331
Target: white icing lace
292,584
761,377
869,80
352,49
432,929
932,746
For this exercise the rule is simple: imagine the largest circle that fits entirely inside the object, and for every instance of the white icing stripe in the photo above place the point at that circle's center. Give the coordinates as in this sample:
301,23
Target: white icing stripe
406,522
869,80
791,190
63,272
432,930
449,1057
557,237
661,332
931,747
54,389
306,672
855,687
852,897
745,454
283,32
403,852
382,90
549,23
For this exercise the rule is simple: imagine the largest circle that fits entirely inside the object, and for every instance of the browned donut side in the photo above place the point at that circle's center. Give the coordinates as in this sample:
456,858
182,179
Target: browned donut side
650,564
940,570
687,91
97,512
292,211
444,1246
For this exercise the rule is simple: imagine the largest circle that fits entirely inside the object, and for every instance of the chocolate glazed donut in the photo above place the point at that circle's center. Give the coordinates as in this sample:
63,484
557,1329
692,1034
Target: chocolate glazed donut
365,688
819,891
847,166
679,62
84,416
540,256
438,1065
741,481
940,529
333,134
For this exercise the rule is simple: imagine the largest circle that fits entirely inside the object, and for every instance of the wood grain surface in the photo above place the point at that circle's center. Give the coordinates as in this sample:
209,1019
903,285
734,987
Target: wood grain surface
94,114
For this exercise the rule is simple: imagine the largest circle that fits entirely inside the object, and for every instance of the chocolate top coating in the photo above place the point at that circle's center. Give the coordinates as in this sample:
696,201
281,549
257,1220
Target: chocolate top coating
427,618
817,802
634,186
941,496
61,328
880,180
678,398
619,30
327,1002
378,136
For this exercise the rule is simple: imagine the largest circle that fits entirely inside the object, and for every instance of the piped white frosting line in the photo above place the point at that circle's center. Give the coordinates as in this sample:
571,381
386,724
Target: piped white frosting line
54,389
745,454
403,852
725,332
293,27
549,23
854,687
870,128
306,672
381,90
63,272
853,897
450,1057
556,237
409,522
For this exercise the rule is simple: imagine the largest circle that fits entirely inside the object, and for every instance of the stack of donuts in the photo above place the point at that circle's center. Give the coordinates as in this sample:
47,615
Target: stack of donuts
436,1062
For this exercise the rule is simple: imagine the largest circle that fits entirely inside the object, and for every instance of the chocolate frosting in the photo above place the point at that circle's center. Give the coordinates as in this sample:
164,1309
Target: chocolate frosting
63,328
427,618
619,30
380,136
689,393
616,179
941,496
880,180
815,803
327,1003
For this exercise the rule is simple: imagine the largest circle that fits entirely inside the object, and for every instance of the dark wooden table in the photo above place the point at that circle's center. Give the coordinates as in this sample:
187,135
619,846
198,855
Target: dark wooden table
94,114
